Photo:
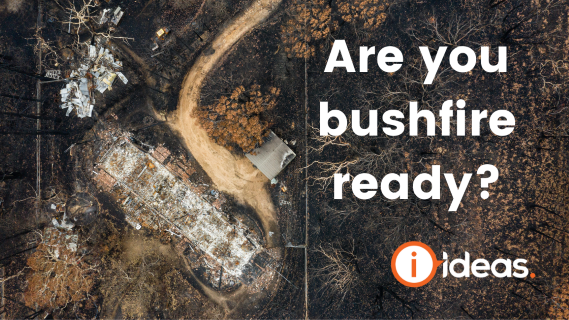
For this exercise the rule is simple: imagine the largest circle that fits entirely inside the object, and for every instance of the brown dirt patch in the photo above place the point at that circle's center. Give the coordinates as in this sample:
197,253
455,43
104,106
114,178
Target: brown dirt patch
230,173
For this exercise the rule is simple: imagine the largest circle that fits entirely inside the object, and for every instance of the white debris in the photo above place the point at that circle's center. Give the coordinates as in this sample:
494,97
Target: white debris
163,201
117,15
71,242
104,17
53,74
53,206
173,233
98,71
92,52
76,96
63,225
114,15
286,157
122,77
274,181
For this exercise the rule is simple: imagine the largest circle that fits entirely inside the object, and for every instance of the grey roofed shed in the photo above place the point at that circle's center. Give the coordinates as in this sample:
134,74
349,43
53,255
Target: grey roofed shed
272,157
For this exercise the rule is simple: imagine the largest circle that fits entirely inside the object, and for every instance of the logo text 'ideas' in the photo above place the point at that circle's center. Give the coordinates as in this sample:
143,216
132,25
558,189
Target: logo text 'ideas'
414,264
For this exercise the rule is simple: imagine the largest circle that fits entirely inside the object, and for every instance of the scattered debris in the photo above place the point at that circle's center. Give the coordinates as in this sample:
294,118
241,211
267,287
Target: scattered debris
105,15
153,190
74,98
274,181
117,15
56,239
63,224
287,158
98,70
160,35
153,196
53,74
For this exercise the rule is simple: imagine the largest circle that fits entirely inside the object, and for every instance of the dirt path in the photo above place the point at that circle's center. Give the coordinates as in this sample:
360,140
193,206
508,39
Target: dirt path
232,174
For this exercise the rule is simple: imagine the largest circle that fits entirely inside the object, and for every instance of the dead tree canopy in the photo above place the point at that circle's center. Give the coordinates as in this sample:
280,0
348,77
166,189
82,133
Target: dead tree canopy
59,274
309,21
235,121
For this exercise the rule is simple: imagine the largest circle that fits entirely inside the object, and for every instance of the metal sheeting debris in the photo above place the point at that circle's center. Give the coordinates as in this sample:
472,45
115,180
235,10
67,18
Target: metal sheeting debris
98,71
53,74
154,197
115,16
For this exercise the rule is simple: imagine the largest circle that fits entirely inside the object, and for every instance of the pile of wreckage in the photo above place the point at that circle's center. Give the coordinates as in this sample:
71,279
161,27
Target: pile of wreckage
97,70
116,16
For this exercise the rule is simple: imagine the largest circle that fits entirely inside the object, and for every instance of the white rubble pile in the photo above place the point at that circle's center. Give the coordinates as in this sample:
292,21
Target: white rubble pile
53,74
175,206
106,15
98,71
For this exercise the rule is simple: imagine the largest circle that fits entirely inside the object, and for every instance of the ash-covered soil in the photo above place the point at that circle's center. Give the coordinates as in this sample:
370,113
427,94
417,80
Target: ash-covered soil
140,274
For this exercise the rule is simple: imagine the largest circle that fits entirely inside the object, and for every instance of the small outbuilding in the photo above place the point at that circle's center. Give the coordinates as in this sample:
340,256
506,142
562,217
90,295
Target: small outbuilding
272,157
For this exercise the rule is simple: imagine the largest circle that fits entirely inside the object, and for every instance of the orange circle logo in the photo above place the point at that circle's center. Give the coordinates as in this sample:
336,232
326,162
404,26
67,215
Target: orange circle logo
414,264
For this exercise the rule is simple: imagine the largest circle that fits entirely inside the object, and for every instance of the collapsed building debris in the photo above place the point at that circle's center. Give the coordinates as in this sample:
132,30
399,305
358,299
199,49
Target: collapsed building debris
64,224
53,74
153,197
98,70
154,192
106,15
55,239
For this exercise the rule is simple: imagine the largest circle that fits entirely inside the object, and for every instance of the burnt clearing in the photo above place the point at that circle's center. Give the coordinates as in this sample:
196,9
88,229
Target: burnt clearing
142,274
526,213
153,281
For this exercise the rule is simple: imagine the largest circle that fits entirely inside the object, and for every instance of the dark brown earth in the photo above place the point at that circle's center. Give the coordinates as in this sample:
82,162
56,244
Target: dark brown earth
142,276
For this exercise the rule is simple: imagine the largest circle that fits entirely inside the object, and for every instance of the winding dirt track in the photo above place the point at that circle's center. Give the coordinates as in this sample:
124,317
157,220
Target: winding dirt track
230,173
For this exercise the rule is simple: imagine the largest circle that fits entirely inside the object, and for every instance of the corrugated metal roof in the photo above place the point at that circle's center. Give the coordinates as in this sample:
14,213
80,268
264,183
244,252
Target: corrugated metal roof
272,157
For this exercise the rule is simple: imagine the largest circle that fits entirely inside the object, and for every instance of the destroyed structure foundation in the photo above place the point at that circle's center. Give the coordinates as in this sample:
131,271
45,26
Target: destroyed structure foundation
154,194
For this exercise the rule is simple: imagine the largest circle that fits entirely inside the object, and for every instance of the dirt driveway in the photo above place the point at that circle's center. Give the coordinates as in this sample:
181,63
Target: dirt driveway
230,173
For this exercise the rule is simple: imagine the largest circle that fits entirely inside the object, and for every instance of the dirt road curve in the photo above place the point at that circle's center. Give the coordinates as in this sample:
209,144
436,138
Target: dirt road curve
232,174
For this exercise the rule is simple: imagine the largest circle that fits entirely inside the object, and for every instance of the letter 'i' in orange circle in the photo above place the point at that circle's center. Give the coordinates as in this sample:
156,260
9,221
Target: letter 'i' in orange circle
414,265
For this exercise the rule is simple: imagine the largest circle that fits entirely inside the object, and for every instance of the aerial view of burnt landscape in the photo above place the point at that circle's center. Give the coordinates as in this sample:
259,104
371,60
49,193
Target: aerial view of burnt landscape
177,159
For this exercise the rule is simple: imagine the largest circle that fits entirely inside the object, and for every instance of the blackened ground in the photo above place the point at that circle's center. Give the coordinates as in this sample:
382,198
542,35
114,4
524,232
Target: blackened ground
141,107
527,203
